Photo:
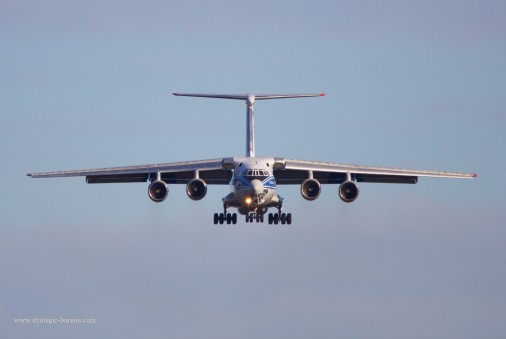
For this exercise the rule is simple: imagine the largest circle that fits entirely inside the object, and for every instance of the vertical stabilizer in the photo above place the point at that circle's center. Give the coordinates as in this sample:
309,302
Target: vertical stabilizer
250,113
250,126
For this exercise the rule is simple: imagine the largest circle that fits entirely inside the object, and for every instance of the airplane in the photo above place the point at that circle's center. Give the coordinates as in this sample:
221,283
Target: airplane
253,180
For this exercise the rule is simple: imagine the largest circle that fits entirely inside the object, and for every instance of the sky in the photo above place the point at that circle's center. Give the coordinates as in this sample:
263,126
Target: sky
409,84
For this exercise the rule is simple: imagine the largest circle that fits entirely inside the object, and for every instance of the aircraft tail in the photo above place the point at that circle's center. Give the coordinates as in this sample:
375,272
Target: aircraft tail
250,115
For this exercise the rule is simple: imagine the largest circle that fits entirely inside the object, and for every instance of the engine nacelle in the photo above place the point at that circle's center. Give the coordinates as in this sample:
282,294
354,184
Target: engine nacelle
158,191
348,191
196,189
310,189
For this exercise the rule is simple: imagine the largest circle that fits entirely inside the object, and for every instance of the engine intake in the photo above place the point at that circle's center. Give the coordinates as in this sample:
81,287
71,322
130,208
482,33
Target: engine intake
310,189
158,191
348,191
196,189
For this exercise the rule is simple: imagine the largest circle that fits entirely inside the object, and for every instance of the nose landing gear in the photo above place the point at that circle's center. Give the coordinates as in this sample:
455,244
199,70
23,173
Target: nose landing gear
251,217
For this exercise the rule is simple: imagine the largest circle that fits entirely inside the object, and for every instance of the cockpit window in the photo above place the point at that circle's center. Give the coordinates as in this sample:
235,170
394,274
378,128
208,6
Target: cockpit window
259,174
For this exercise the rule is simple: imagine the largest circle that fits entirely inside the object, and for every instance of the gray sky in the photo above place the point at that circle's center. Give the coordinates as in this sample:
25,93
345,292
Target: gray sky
409,84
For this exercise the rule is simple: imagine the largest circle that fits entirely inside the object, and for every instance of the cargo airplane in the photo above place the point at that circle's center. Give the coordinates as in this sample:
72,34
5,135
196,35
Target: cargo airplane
253,180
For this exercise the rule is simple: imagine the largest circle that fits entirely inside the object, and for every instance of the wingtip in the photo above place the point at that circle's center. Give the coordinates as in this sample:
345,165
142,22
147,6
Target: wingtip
475,175
322,94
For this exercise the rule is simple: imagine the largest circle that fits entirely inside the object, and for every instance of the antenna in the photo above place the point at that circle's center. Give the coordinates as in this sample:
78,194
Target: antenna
250,113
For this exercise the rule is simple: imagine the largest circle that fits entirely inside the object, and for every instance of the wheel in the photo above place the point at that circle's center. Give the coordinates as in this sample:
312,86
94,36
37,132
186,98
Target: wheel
270,219
289,218
276,219
216,218
283,218
247,218
234,218
229,218
221,218
261,218
251,217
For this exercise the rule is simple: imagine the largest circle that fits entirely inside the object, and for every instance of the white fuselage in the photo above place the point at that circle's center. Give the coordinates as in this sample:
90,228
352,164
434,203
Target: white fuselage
253,186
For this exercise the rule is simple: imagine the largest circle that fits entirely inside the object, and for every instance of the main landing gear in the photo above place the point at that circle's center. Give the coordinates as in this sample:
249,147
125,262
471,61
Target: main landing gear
284,218
221,218
229,218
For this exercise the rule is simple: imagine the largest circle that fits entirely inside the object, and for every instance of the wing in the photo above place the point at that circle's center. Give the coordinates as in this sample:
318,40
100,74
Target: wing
214,171
289,171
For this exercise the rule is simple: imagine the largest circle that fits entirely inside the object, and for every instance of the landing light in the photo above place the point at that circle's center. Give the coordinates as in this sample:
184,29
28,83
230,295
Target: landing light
248,200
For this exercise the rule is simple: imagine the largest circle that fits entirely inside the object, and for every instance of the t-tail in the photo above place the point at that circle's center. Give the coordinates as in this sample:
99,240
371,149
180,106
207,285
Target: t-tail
250,114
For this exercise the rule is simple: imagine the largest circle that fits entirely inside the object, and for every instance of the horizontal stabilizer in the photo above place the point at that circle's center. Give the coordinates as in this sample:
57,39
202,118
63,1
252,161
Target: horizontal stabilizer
248,96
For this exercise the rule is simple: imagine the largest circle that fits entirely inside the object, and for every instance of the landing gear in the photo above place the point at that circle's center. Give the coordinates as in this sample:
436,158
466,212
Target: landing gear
225,218
276,218
231,218
258,217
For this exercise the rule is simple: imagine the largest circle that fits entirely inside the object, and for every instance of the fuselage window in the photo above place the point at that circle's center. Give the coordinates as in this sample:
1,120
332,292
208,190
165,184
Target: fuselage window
257,174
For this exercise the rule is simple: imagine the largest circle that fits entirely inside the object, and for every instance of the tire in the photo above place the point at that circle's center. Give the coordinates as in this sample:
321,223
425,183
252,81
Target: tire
234,218
215,218
289,218
283,218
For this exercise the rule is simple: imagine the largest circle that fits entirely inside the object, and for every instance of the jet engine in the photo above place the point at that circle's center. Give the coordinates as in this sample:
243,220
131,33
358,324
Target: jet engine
158,191
196,189
310,189
348,191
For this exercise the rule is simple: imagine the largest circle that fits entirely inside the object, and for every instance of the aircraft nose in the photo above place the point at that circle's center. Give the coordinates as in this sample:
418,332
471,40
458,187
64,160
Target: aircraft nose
256,186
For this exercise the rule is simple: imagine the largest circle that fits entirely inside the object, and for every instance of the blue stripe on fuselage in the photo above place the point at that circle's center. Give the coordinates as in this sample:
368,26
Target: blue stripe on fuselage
270,182
243,182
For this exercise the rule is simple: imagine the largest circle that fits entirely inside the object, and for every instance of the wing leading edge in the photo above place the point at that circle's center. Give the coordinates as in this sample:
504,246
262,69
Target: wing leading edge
290,171
213,171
